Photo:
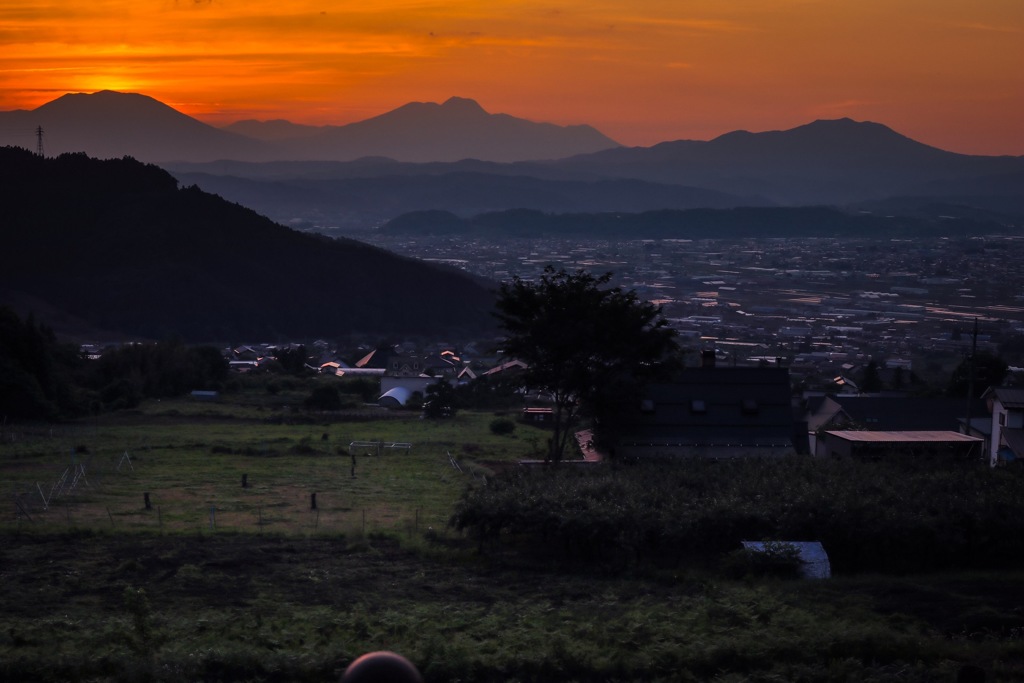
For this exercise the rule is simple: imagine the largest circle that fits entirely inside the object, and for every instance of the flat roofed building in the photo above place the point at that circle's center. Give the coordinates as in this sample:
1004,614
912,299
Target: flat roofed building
715,412
878,444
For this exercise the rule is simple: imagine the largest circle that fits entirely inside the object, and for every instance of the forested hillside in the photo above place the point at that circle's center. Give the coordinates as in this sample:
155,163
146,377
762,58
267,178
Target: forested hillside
117,243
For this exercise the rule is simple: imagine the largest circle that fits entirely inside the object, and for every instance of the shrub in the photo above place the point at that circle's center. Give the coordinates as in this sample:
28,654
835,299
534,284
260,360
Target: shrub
502,425
324,398
776,559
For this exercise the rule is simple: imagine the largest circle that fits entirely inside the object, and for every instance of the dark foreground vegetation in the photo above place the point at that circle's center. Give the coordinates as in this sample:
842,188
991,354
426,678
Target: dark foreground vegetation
616,573
899,516
263,537
96,607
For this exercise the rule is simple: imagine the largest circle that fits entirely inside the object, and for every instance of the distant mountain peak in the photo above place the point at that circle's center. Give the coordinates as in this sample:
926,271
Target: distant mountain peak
109,103
463,104
113,124
107,96
844,123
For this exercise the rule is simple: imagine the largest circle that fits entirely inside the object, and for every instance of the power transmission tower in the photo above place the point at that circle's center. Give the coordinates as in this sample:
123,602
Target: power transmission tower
39,141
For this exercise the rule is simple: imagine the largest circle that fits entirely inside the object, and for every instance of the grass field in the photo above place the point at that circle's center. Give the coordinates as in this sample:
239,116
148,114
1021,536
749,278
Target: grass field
191,459
95,587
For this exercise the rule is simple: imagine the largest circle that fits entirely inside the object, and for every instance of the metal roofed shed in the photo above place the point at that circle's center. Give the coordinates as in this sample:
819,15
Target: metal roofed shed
876,444
395,397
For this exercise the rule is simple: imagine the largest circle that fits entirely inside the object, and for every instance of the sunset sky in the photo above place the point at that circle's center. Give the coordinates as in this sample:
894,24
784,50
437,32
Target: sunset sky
949,73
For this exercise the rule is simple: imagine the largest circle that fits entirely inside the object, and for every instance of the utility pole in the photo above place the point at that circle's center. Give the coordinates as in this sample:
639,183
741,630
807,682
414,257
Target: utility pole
970,378
39,141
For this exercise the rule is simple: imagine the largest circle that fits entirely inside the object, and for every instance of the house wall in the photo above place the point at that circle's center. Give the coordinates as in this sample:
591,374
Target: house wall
1002,418
997,431
830,446
1015,419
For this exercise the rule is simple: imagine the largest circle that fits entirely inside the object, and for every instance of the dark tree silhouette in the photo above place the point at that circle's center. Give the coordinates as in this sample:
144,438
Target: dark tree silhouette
587,346
440,400
36,371
324,397
989,371
872,380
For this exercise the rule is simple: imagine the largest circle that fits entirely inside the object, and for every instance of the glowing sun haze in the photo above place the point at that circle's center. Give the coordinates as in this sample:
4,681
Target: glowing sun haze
946,72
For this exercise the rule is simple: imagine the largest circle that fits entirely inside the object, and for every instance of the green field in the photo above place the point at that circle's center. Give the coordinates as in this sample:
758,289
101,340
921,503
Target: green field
95,587
190,457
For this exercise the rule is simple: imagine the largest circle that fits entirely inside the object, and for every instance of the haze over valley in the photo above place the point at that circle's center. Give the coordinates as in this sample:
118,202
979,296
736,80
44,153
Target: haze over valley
453,174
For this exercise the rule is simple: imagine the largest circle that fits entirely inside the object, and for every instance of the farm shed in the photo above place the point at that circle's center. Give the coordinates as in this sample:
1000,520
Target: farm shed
877,444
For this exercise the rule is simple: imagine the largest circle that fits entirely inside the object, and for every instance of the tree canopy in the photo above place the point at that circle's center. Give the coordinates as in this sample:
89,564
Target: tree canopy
441,400
587,345
988,370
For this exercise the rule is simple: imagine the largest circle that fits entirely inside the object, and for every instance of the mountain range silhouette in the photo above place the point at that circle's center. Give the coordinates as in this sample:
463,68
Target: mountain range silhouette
110,124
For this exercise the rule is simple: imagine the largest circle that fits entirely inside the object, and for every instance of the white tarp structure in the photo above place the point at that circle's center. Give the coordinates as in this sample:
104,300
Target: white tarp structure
395,397
812,555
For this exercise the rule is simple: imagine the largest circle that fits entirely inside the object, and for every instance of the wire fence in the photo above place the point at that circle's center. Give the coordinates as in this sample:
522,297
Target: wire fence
101,491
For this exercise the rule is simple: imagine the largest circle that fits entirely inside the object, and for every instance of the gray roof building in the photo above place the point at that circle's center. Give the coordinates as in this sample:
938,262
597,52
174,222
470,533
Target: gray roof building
716,412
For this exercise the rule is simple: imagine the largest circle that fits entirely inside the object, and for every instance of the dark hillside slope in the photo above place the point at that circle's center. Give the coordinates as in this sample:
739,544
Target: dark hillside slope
118,244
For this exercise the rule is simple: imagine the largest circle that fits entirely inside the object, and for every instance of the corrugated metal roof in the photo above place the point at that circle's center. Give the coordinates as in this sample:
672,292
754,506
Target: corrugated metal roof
1009,397
903,437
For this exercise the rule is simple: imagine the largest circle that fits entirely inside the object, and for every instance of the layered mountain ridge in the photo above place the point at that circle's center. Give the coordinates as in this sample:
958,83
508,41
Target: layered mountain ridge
110,124
457,157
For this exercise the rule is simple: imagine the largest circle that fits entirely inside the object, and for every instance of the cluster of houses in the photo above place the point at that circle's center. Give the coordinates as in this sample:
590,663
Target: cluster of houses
723,412
751,411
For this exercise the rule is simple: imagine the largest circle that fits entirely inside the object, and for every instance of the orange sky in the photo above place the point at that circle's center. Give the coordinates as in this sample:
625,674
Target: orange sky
946,72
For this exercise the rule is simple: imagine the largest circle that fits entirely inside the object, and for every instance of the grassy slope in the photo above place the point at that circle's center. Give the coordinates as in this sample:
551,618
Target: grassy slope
299,597
190,457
